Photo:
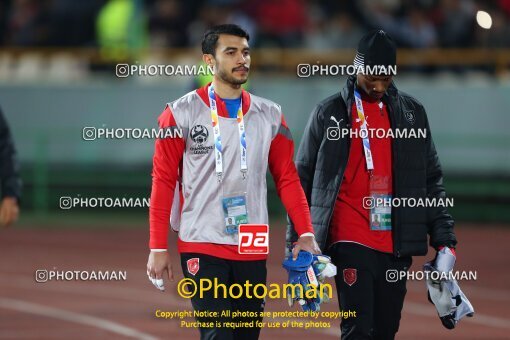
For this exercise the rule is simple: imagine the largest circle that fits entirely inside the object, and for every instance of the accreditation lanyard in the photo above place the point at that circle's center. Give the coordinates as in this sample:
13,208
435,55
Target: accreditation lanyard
364,132
218,155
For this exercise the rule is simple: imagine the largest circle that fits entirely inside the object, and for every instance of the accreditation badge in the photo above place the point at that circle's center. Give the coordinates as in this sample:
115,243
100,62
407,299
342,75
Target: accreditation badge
235,211
380,212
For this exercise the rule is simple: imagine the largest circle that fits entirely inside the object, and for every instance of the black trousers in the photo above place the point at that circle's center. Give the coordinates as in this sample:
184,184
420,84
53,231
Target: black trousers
227,272
364,286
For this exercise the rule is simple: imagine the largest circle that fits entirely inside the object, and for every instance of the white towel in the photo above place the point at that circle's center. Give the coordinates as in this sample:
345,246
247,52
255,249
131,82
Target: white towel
450,302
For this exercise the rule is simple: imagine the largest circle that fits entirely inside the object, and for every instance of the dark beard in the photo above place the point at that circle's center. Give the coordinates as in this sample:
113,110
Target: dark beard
230,79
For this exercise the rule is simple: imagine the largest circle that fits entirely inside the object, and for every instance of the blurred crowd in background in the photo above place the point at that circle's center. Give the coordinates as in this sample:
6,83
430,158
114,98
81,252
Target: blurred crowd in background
318,25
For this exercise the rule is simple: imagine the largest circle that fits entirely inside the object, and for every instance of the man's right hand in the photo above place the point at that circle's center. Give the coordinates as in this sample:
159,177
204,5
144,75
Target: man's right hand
157,264
9,211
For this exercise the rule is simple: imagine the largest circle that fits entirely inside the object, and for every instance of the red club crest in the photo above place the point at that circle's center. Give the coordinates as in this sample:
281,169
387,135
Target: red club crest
350,276
193,265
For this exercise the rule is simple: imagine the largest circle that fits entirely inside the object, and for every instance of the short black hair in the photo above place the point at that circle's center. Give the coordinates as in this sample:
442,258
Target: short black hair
211,36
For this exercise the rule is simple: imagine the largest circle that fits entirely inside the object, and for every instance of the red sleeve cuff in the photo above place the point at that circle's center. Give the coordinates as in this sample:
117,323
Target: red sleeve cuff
451,249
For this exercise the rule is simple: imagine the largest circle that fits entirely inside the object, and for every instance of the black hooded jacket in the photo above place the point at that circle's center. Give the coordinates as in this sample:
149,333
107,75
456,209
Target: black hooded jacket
417,173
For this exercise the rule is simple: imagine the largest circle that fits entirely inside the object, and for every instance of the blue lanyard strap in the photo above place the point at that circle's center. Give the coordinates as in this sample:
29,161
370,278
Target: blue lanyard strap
364,131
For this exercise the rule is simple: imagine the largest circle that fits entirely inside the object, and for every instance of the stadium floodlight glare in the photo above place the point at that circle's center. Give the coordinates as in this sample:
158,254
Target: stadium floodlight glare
484,19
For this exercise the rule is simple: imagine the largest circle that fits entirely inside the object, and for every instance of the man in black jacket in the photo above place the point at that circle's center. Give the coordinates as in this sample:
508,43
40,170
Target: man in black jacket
9,177
344,174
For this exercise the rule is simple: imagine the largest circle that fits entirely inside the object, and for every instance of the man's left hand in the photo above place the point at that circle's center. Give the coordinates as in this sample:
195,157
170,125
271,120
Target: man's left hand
306,243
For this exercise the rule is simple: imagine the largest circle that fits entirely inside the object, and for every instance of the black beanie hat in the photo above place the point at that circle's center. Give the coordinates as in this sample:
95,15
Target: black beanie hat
376,48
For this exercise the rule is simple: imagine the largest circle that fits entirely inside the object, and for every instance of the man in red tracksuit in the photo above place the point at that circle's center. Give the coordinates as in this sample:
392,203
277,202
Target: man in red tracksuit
217,171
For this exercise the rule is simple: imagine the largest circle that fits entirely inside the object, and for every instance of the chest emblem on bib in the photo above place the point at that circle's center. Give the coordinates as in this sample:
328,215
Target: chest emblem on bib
199,135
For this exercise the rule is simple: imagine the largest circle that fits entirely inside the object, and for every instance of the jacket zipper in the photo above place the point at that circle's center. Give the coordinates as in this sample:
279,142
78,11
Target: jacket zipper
393,123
